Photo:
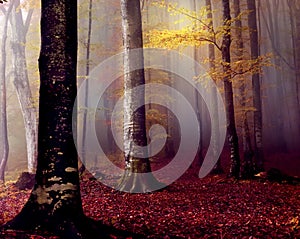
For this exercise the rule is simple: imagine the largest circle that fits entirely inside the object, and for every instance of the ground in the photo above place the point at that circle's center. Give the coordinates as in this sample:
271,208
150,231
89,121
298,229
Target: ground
213,207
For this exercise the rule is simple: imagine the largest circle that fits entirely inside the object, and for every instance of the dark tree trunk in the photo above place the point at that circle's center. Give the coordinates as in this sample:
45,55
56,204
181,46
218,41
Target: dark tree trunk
247,164
4,147
137,165
228,91
21,82
55,203
254,47
55,199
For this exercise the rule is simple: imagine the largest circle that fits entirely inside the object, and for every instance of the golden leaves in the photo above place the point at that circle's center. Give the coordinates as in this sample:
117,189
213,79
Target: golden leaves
173,39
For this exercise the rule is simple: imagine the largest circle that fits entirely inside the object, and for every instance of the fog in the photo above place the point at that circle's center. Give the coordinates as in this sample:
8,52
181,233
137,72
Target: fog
279,38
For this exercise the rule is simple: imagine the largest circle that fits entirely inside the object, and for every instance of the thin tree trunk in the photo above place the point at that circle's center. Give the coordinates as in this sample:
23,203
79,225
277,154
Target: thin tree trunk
212,57
247,165
295,34
257,104
137,164
228,91
274,35
4,147
21,82
198,105
87,72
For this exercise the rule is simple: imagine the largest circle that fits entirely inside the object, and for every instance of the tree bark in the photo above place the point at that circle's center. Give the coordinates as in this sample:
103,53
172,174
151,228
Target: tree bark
137,164
21,82
247,164
257,104
228,91
55,200
4,146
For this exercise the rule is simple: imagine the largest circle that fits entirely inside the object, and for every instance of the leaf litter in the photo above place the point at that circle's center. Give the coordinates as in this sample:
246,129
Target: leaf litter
213,207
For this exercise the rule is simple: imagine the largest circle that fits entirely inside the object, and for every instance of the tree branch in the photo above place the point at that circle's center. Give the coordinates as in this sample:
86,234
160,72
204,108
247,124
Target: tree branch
27,21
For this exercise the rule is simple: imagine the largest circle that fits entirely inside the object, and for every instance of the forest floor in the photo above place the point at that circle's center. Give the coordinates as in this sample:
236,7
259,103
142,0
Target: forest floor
213,207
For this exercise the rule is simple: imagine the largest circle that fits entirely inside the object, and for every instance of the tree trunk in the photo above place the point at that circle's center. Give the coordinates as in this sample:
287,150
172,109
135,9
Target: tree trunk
55,199
295,34
4,147
212,57
21,82
137,176
198,104
228,91
247,165
254,47
87,72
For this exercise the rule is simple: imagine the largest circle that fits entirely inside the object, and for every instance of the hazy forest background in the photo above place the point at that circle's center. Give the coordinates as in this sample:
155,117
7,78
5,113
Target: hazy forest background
249,49
172,25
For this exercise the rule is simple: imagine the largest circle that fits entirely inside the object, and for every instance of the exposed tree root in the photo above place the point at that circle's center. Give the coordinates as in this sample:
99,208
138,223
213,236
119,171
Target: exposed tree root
80,227
139,183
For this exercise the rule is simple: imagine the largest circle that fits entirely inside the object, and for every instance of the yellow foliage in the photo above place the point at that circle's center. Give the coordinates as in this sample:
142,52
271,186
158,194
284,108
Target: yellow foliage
200,31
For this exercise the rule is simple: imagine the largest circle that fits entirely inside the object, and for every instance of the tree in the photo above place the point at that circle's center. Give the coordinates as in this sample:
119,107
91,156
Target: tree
201,32
228,92
55,202
21,82
212,58
272,25
137,176
87,72
4,146
254,48
247,165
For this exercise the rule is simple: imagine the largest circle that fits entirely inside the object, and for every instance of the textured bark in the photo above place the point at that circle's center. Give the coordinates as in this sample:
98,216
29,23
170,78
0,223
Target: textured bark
21,82
257,104
56,193
136,162
247,164
4,146
55,202
228,91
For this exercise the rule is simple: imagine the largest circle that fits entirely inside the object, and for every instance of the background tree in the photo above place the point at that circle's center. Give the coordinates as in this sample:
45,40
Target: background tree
228,92
254,48
212,68
4,146
275,37
87,72
247,170
21,81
